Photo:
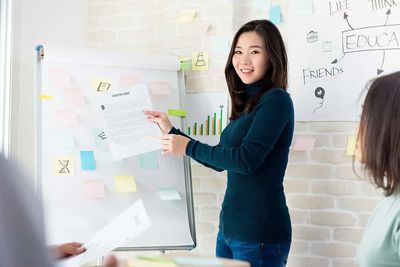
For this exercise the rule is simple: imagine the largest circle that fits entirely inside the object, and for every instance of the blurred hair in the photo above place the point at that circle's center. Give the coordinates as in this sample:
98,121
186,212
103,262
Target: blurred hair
379,132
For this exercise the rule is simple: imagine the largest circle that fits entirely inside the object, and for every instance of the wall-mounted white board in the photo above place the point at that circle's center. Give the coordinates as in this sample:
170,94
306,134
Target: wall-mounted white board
335,48
81,200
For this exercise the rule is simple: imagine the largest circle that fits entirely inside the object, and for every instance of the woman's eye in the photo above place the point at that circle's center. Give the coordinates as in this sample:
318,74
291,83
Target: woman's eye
238,52
255,52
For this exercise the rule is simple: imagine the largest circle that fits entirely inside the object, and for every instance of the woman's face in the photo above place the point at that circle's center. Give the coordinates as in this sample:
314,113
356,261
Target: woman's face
250,59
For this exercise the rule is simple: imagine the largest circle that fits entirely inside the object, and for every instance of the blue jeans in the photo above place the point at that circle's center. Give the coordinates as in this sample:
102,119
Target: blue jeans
257,254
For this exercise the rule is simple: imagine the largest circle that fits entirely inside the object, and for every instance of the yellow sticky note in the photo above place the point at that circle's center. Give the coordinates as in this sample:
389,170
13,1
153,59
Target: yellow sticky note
183,58
186,15
200,60
45,97
125,183
64,166
101,84
351,145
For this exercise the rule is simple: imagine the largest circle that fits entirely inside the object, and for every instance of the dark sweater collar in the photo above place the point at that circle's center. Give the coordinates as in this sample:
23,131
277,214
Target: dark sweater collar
252,89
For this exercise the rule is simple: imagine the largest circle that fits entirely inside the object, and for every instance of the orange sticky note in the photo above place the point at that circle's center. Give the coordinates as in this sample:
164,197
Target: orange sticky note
60,77
128,80
159,88
304,144
125,183
94,188
74,96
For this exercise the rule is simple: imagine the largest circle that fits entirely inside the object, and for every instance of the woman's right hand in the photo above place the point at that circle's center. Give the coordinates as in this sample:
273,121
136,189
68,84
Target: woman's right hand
160,118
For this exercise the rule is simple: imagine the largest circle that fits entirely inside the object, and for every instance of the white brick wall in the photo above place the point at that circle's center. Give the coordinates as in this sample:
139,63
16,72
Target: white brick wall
329,205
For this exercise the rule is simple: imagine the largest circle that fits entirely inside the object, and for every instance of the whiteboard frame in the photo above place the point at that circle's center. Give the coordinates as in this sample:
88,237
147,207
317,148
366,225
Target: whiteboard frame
106,60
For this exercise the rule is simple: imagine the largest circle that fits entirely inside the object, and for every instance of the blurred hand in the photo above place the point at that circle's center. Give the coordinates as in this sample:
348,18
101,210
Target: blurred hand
173,144
160,118
67,250
110,261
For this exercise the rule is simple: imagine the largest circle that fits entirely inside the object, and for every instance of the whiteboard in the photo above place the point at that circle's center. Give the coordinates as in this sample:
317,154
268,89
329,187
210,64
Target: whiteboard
73,211
335,50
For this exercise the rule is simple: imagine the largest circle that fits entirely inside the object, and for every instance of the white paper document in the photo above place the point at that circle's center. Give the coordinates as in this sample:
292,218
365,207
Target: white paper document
118,232
128,131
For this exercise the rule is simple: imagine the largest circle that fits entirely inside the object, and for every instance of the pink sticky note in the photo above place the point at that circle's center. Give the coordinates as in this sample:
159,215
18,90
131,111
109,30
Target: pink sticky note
159,88
128,80
74,96
60,77
94,188
66,116
304,144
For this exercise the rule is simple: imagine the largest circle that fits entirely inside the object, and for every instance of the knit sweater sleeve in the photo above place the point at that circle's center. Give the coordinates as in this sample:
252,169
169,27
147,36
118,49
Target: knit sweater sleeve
272,114
179,132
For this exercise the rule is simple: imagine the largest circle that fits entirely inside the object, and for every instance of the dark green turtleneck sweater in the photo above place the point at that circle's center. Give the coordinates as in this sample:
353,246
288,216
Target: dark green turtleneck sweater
254,150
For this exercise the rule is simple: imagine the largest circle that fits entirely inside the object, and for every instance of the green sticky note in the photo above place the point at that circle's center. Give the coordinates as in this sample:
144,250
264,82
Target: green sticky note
185,65
148,160
100,138
177,112
169,194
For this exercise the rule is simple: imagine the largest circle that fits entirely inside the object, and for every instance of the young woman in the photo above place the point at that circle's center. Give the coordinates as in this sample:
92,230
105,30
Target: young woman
254,220
379,151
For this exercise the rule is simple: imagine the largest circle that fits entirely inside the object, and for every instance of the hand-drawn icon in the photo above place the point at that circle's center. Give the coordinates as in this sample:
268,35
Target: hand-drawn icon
102,107
326,46
103,86
64,166
102,135
319,92
200,62
312,37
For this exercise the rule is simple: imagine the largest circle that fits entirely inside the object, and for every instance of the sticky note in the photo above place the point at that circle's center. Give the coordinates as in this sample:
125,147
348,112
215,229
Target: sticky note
101,84
261,4
183,58
66,116
100,138
177,112
74,96
87,160
351,145
159,88
60,77
304,144
45,97
303,7
128,80
150,263
275,14
200,60
125,183
62,140
94,188
64,166
186,15
148,160
185,65
169,194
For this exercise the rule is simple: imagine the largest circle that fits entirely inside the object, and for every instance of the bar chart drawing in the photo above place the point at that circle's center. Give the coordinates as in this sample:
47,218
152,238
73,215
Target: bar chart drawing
206,116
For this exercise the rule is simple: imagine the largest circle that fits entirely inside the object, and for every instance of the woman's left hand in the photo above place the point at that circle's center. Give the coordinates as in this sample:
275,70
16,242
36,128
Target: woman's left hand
173,144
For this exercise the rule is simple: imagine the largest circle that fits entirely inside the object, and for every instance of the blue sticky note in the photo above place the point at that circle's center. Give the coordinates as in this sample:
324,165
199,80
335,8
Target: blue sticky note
169,194
275,14
303,7
148,160
87,161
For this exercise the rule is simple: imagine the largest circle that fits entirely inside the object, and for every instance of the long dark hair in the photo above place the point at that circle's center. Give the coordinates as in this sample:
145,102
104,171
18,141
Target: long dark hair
276,75
379,133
